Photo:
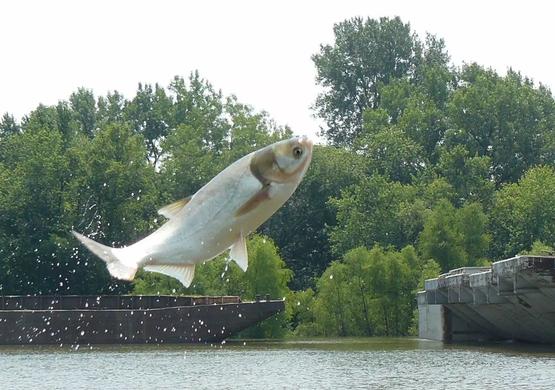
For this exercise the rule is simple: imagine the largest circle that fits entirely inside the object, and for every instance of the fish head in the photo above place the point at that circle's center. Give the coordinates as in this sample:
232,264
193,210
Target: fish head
293,156
282,162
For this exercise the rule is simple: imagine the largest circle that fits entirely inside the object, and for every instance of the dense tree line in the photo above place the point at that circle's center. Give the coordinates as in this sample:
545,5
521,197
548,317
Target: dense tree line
427,167
104,166
456,167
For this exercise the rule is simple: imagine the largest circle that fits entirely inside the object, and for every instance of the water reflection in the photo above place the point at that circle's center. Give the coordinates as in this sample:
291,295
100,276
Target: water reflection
316,363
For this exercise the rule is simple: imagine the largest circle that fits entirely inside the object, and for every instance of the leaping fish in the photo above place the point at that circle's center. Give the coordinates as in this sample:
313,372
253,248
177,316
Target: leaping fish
218,216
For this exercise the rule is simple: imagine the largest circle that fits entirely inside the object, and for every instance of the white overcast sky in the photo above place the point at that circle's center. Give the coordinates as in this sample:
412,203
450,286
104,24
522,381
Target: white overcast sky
257,50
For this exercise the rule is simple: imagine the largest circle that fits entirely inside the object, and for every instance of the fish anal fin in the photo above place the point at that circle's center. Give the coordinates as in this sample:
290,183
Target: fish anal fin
254,201
238,252
172,209
183,273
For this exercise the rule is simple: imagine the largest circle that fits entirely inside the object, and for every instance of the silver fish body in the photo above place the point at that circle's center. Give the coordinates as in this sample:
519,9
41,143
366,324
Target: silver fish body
217,217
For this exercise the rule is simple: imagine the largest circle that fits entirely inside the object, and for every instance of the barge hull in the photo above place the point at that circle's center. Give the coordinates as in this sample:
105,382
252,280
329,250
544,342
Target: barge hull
127,320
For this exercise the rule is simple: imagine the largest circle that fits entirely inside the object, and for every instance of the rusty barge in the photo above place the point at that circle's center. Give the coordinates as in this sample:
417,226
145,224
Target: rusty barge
110,319
514,299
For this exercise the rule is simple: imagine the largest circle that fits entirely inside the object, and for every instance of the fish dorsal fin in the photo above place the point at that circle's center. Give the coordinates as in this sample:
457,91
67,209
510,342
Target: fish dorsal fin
254,201
238,252
183,273
172,209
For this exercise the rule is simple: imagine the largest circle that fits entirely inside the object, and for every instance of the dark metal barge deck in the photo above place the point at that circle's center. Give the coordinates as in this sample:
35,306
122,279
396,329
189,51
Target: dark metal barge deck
110,319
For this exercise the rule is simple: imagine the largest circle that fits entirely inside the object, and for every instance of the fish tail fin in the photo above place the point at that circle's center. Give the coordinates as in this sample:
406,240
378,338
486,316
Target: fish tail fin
115,258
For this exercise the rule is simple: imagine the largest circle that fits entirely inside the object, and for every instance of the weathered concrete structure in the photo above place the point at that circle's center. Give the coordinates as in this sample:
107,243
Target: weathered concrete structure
111,319
514,299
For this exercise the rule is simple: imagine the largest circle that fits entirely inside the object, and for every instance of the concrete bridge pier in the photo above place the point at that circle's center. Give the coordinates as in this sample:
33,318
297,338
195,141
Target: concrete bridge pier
513,299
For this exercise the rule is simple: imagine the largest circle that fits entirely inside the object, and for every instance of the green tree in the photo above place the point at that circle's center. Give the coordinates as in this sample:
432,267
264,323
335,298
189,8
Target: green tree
267,274
198,105
32,220
369,212
41,118
8,128
358,262
370,292
430,270
191,163
366,57
434,75
455,237
111,108
504,118
524,212
83,104
417,107
8,125
211,133
540,249
424,123
469,176
472,224
300,311
150,113
330,309
299,227
351,70
112,195
391,153
66,122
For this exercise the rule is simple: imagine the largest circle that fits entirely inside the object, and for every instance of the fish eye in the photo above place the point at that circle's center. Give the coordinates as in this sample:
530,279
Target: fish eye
297,152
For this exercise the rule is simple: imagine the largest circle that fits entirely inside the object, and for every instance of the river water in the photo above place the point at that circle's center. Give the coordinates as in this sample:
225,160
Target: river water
371,363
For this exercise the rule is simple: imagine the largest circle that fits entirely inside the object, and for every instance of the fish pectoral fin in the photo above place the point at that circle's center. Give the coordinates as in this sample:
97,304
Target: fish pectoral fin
183,273
172,209
254,201
238,252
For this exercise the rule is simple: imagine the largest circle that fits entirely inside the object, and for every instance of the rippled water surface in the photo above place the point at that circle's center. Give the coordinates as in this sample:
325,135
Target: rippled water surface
316,364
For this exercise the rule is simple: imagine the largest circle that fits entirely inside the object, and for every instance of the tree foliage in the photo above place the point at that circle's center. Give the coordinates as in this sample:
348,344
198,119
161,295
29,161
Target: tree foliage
367,293
428,167
524,213
299,228
503,118
369,212
455,237
366,55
